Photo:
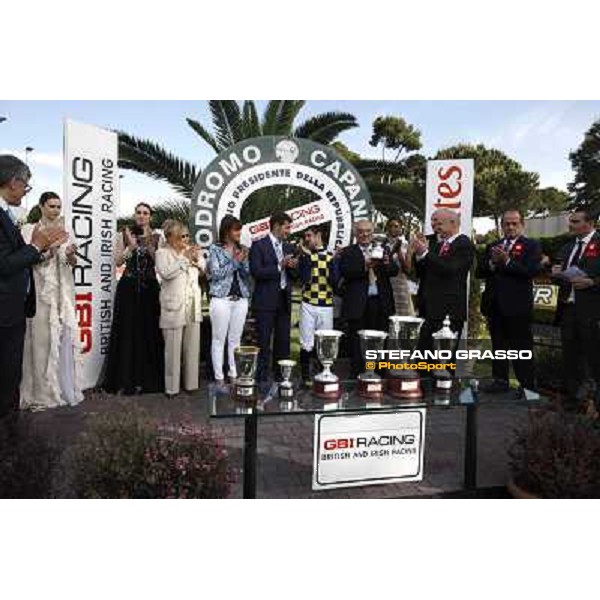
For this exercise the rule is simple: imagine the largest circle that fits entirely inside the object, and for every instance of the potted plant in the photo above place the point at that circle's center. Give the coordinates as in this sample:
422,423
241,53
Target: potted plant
132,456
555,455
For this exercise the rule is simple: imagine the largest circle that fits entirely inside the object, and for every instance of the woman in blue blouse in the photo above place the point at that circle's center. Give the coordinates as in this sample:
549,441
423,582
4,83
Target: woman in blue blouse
230,286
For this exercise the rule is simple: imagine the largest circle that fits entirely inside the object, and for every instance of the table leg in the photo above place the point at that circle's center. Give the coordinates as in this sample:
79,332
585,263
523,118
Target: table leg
250,442
470,466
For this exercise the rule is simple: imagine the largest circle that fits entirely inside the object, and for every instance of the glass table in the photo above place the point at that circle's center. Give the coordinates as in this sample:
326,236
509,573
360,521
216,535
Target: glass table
464,394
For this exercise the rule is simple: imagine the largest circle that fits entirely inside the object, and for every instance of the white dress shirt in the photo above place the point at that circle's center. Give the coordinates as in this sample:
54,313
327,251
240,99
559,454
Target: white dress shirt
586,240
373,290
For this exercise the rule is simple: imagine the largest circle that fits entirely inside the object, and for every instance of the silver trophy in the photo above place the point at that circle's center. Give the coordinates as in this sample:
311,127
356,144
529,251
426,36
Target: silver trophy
404,335
376,250
246,358
286,389
444,340
370,384
327,384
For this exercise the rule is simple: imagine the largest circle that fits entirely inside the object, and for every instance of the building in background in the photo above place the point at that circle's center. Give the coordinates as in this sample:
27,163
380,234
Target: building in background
547,226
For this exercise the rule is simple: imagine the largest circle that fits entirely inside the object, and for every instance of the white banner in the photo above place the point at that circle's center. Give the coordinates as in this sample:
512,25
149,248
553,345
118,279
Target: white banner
450,185
312,213
334,201
91,199
352,449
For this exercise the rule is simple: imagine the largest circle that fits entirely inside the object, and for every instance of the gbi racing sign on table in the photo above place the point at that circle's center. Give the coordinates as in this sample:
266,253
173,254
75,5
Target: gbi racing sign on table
353,449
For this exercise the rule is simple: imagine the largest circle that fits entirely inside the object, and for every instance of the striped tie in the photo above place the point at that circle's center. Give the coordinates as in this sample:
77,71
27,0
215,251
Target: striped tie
279,254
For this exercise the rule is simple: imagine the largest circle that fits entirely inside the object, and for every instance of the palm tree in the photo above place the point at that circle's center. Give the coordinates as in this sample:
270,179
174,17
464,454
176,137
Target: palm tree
231,124
397,188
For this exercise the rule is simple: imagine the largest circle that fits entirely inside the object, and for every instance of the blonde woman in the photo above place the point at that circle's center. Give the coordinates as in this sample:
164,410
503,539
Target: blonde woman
179,266
52,359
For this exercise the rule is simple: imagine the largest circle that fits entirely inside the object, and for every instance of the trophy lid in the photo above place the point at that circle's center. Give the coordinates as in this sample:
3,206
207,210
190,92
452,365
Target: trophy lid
445,333
372,333
405,319
328,333
286,362
247,350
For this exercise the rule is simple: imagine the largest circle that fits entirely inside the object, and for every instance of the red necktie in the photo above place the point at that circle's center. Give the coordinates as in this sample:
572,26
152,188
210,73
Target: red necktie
444,248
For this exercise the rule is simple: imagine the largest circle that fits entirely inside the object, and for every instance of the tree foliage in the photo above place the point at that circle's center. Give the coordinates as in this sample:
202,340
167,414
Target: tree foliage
586,164
548,201
395,133
501,182
232,123
177,209
147,157
397,185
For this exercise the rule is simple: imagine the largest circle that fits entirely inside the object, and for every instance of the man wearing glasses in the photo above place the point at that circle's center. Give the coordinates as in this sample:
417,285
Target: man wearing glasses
17,289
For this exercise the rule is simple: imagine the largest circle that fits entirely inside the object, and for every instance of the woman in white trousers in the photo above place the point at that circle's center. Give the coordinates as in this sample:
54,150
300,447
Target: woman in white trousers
178,265
230,287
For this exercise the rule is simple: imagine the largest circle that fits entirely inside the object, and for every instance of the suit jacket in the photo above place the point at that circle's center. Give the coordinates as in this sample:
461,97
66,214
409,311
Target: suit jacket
16,260
180,296
356,283
509,288
421,273
587,301
264,267
444,284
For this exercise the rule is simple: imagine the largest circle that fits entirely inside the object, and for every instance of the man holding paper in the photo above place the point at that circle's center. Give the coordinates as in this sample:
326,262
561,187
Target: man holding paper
577,272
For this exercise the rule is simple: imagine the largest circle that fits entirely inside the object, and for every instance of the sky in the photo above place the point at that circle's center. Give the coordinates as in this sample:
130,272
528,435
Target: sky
538,134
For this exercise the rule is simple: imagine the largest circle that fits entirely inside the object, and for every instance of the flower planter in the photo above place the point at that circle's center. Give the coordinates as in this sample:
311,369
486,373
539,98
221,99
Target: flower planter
517,492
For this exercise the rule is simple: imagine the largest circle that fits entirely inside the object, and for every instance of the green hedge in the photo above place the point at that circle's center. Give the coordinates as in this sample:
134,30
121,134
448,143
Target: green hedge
544,316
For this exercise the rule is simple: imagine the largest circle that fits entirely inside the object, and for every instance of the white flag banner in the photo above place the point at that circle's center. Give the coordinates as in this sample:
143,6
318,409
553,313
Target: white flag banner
91,199
313,213
450,185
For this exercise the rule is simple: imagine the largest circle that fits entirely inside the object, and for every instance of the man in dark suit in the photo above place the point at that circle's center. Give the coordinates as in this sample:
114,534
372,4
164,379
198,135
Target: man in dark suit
272,262
17,290
578,308
368,298
508,267
445,270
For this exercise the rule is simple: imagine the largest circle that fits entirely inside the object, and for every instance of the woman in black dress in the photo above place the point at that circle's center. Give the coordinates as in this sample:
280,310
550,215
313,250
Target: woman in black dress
135,362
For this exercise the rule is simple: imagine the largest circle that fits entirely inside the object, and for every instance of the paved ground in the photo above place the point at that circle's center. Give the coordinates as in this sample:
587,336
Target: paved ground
285,444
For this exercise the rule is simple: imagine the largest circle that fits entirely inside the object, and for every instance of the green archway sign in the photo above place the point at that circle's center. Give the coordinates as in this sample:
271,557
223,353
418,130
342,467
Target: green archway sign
257,163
